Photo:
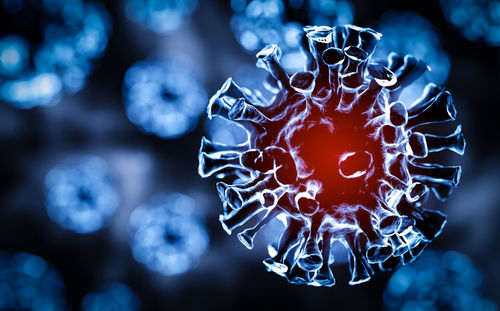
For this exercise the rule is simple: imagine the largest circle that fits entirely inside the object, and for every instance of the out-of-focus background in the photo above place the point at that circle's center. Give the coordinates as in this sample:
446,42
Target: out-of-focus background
110,97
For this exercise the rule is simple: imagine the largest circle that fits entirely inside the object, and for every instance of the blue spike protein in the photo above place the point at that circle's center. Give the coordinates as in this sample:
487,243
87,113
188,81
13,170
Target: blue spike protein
336,157
257,23
397,27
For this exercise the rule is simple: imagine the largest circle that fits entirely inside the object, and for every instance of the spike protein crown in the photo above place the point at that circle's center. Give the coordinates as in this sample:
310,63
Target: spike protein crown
335,157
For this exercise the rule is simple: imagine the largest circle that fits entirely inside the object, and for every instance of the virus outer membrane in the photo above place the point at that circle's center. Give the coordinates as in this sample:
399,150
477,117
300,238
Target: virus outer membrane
335,157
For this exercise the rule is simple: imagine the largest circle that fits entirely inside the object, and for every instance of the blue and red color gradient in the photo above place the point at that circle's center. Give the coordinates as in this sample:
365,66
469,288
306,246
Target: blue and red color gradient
336,157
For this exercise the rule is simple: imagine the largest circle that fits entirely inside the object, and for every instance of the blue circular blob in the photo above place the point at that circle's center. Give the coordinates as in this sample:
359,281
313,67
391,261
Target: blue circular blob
163,97
167,235
79,194
397,28
28,282
437,281
160,16
74,33
476,20
112,297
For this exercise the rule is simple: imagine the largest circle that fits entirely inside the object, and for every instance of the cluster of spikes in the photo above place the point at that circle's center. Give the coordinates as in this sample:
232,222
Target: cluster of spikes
335,157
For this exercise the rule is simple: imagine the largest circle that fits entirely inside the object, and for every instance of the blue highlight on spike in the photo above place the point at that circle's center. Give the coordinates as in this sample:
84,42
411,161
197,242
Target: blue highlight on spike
409,33
336,156
79,194
112,297
28,282
168,235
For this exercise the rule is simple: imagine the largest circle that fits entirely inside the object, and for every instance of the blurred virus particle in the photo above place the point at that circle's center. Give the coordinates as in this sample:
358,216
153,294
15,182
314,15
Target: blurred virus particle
257,23
336,157
112,297
160,16
163,97
79,194
27,282
476,20
328,12
437,281
168,236
425,45
48,48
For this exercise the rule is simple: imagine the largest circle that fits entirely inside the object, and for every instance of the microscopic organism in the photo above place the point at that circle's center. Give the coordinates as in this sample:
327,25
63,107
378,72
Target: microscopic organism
257,23
336,157
28,282
163,98
80,195
476,20
168,235
162,16
425,45
328,12
112,297
437,281
36,70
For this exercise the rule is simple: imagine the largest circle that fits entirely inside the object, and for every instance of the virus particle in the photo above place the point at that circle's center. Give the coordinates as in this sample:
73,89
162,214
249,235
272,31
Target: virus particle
476,20
112,297
79,194
336,157
27,282
257,23
168,236
424,45
163,97
328,12
36,70
161,17
437,281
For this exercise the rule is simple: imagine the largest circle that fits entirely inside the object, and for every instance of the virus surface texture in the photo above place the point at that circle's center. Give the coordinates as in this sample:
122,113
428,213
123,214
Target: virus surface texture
438,281
168,236
28,282
114,296
336,157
